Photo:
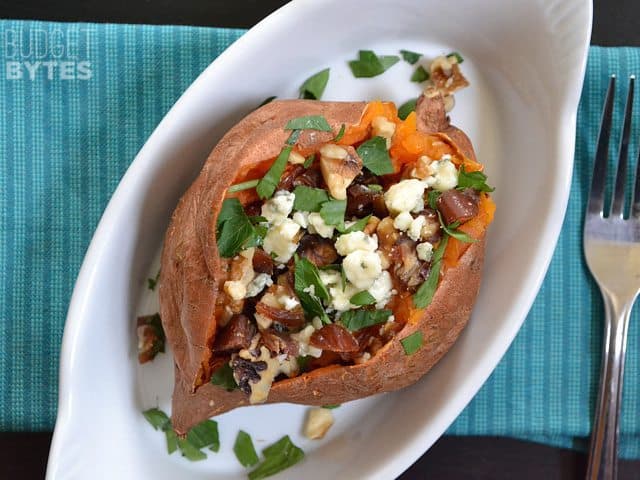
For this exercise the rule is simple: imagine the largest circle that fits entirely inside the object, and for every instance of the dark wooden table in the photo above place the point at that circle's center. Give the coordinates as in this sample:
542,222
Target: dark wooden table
24,455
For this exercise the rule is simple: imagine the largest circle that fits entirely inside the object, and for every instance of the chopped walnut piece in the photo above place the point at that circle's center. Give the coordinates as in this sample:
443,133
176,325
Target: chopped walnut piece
319,420
339,166
446,75
150,337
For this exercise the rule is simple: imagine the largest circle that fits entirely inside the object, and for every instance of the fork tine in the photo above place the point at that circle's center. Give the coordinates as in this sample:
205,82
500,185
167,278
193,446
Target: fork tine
596,195
617,204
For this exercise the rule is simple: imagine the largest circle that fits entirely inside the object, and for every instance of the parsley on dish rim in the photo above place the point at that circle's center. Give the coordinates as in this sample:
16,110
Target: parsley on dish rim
369,64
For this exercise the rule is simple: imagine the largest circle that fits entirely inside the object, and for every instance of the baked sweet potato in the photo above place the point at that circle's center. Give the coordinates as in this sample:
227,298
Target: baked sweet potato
209,301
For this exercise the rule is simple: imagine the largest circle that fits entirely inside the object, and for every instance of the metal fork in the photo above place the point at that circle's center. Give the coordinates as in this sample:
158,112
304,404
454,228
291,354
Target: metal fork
612,251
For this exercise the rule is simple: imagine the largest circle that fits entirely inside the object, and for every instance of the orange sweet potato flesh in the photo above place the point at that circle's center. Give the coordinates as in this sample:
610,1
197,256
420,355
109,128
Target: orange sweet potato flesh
191,266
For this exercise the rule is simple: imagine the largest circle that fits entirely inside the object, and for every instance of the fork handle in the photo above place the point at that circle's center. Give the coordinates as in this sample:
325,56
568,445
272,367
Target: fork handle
603,452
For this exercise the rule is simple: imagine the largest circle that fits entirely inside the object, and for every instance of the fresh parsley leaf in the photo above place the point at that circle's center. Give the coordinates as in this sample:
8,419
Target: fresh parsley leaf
452,231
340,134
223,377
157,418
375,156
475,180
331,407
266,100
375,187
362,298
457,56
343,277
358,319
313,87
152,282
406,108
358,226
244,450
189,451
412,343
303,362
307,274
279,456
409,56
309,289
205,434
332,212
234,229
432,198
172,440
309,160
369,64
420,75
293,138
238,187
267,185
309,199
422,298
309,122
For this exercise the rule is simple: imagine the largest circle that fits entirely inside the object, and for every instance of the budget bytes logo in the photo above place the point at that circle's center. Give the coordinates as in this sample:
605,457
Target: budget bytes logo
52,54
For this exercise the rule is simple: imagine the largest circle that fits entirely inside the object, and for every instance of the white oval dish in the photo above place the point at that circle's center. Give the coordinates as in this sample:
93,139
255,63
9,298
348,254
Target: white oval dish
525,61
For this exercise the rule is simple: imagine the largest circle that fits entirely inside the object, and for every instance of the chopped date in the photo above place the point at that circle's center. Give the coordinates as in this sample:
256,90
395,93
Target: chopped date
278,342
262,262
291,319
151,337
457,206
335,338
236,335
407,268
246,372
289,175
253,209
311,177
319,251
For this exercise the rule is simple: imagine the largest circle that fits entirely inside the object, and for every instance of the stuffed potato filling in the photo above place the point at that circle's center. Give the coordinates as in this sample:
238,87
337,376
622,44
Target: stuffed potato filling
329,248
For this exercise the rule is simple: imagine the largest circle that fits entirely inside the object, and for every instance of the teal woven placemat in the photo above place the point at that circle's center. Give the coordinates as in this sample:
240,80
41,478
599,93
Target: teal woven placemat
70,125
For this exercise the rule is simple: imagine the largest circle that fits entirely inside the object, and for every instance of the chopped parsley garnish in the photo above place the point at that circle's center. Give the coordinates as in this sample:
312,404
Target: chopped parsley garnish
369,64
309,199
357,226
310,289
452,231
157,418
313,87
340,134
309,122
267,185
266,100
375,156
303,362
420,75
244,450
409,56
457,56
358,319
412,343
205,434
152,282
375,187
309,160
362,298
279,456
331,407
238,187
475,180
235,232
332,212
293,138
223,377
432,198
406,108
422,298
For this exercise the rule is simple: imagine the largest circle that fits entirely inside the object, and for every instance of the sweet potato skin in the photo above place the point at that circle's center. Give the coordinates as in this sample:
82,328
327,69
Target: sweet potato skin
188,280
